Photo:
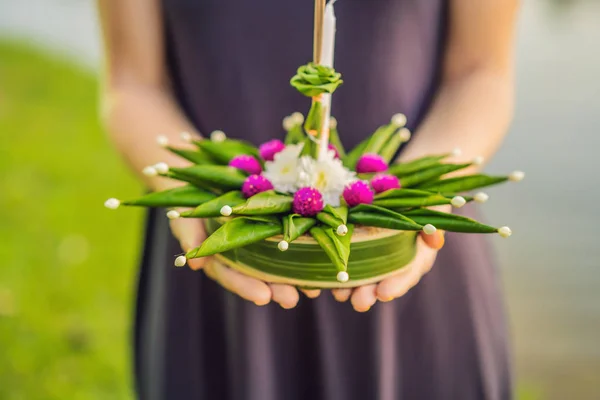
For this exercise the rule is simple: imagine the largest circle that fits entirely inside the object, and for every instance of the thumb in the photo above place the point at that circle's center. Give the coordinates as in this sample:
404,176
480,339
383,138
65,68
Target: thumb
435,241
190,233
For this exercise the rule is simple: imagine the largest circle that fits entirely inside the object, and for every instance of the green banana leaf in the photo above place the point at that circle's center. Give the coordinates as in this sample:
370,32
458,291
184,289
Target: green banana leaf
430,174
195,156
401,193
407,168
294,135
213,207
314,119
372,215
334,139
265,203
449,222
413,201
333,216
184,196
352,157
219,176
462,183
389,149
224,151
237,233
379,138
295,226
336,247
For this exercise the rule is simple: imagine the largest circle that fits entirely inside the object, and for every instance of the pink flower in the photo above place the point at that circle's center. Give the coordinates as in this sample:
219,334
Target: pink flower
371,162
255,184
358,192
332,147
308,202
383,182
268,149
246,163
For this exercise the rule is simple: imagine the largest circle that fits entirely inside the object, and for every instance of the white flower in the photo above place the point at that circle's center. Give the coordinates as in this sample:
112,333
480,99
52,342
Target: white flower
328,176
283,170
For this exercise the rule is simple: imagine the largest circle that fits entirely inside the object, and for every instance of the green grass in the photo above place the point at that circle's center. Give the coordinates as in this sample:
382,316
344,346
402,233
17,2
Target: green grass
68,265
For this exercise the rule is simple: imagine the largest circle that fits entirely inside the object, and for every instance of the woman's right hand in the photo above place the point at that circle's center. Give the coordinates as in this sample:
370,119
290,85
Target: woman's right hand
190,233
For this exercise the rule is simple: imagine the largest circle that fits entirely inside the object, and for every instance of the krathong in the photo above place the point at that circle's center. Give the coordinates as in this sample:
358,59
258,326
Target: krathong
304,211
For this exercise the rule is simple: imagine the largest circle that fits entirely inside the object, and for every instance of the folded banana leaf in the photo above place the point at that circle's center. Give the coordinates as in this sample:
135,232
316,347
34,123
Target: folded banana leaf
333,216
413,201
407,168
389,149
236,233
449,222
184,196
224,151
295,135
462,183
373,215
334,139
265,203
219,176
379,138
295,226
352,157
430,174
195,156
213,207
336,247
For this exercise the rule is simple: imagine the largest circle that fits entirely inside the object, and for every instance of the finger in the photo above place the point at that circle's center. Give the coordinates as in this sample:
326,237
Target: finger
435,241
248,288
191,234
286,295
364,297
341,295
311,293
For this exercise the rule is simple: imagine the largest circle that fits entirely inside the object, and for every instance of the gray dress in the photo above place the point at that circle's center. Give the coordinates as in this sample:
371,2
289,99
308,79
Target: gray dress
230,62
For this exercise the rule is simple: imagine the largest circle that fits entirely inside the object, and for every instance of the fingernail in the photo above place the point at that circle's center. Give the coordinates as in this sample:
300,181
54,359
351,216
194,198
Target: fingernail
361,310
386,299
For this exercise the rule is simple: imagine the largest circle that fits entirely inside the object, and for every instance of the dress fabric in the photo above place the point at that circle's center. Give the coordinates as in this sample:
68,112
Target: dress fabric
230,62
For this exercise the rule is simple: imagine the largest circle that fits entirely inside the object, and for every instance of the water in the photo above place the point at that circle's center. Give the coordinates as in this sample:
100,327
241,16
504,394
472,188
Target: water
550,267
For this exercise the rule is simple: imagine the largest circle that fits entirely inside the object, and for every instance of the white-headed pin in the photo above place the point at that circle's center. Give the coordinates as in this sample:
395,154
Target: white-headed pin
429,229
173,214
218,136
342,276
180,261
162,141
516,176
112,204
226,211
458,201
150,171
399,120
342,230
186,137
505,231
481,197
404,135
283,245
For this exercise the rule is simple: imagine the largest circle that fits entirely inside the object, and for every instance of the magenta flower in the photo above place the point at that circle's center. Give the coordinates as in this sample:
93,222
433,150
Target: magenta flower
268,149
308,202
358,192
246,163
255,184
370,163
382,182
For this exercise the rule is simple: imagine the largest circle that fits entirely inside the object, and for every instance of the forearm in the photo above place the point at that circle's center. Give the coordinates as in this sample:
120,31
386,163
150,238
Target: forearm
472,113
135,116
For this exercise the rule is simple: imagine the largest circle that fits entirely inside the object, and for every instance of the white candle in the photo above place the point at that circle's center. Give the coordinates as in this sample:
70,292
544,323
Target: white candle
327,50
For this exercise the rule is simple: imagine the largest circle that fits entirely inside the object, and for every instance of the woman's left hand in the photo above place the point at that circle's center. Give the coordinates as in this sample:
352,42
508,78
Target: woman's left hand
364,297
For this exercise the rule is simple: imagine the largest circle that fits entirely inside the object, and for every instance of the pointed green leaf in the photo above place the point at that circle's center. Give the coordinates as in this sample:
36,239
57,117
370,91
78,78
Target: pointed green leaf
224,151
195,156
265,203
463,183
389,149
213,207
236,233
407,168
218,176
413,201
184,196
449,222
333,216
401,193
295,226
352,158
336,247
430,174
314,119
295,135
379,138
372,215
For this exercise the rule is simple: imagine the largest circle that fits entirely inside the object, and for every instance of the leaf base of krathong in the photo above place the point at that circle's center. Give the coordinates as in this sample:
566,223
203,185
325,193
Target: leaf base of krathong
375,254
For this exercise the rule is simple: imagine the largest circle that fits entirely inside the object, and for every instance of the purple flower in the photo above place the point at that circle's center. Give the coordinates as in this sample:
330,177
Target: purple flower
255,184
358,192
246,163
308,202
382,182
268,149
370,163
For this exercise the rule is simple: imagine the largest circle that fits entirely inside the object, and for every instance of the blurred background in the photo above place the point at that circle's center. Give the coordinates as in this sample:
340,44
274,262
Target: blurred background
69,266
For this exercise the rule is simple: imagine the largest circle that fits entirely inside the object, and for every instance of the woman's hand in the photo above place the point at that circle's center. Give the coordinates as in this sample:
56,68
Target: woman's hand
190,233
364,297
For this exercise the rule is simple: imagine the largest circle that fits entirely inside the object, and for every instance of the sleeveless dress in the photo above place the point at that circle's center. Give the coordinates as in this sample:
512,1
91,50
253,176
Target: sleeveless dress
230,62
